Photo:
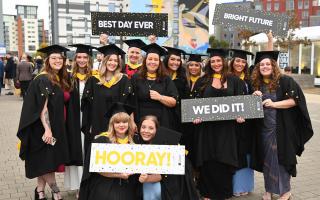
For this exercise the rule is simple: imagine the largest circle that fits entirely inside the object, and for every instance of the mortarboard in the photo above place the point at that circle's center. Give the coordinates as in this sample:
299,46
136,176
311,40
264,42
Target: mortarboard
174,51
135,43
154,48
238,53
117,108
195,57
166,136
53,49
266,54
217,52
83,48
111,49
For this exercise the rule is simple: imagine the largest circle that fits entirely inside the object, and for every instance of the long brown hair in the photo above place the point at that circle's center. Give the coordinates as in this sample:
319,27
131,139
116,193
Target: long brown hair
152,118
161,71
103,69
64,81
208,72
257,79
116,118
245,70
75,69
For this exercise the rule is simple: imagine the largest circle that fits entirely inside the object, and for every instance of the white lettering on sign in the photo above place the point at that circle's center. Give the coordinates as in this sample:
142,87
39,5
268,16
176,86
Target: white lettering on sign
106,24
221,108
144,25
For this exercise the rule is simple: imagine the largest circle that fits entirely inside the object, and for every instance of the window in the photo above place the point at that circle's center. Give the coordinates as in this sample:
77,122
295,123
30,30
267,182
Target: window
69,38
305,14
67,6
87,7
268,6
290,5
69,24
97,6
20,10
306,4
112,7
32,47
258,7
300,4
85,24
87,39
276,6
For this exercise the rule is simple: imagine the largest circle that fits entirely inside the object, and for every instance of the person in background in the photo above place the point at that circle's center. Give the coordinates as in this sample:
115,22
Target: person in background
152,39
9,70
134,56
97,63
38,66
1,73
285,128
288,70
24,74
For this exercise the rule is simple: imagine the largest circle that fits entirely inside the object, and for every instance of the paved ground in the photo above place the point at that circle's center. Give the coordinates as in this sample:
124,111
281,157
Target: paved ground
14,185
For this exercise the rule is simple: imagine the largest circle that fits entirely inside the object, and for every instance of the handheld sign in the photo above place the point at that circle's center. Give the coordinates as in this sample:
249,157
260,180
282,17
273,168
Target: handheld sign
222,108
254,20
283,59
149,159
129,24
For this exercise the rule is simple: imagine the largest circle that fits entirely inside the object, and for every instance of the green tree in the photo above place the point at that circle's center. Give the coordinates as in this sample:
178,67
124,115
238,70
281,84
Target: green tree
43,55
214,43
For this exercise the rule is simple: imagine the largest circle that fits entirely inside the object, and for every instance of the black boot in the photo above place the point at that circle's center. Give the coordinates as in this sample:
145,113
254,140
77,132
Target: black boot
36,195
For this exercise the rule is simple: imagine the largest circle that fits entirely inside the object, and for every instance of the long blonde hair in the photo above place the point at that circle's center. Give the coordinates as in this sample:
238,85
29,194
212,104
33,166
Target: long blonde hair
120,117
103,69
188,75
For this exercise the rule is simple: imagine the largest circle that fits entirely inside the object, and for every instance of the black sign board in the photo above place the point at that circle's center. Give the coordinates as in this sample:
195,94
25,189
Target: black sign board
254,20
222,108
129,24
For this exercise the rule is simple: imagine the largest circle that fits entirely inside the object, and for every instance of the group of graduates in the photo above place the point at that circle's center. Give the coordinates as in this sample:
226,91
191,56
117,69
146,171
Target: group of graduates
139,103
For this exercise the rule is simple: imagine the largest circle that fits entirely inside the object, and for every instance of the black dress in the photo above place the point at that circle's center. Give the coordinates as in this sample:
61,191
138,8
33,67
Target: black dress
95,186
216,145
41,158
146,106
96,101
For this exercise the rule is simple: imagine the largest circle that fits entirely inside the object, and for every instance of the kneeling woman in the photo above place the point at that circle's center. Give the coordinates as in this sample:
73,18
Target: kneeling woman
111,186
156,186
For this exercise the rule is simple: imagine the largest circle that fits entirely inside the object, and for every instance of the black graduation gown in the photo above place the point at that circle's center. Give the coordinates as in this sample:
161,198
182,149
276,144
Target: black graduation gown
97,187
173,187
95,103
294,128
41,158
146,106
73,127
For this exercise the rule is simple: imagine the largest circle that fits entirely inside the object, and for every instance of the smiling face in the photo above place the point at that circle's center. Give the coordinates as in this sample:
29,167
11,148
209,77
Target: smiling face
239,64
216,64
194,68
265,68
134,55
148,130
82,60
174,62
121,128
112,63
56,61
152,62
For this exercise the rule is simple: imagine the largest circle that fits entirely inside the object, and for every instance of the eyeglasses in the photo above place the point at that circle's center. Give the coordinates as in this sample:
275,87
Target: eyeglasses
56,58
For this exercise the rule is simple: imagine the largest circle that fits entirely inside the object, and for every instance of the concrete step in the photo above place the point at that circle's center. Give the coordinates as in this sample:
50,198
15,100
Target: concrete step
304,80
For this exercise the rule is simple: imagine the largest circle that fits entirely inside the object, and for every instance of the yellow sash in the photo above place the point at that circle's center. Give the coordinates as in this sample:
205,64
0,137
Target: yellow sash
266,80
193,79
242,75
133,66
218,76
174,76
151,75
81,77
123,141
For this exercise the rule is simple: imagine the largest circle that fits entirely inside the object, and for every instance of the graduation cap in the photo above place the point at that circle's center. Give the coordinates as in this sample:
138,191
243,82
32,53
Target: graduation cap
111,49
135,43
174,51
240,53
217,52
195,57
53,49
117,108
154,48
266,54
166,136
83,48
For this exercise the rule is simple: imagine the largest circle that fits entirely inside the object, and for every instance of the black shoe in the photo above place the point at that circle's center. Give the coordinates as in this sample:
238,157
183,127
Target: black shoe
9,93
52,192
36,195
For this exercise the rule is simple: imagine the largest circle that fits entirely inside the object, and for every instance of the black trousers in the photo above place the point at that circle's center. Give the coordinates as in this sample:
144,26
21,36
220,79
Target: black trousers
24,87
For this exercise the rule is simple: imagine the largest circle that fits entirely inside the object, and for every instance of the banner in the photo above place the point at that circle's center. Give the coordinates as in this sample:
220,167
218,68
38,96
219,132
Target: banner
254,20
283,59
149,159
129,24
222,108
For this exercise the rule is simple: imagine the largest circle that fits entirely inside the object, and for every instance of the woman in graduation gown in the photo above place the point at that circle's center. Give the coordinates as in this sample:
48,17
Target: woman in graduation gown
105,185
165,187
154,91
102,90
173,64
286,126
134,56
81,71
42,128
216,141
243,180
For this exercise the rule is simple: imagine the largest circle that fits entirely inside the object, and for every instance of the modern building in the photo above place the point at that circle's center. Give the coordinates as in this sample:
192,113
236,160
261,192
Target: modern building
70,20
10,33
304,9
1,27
